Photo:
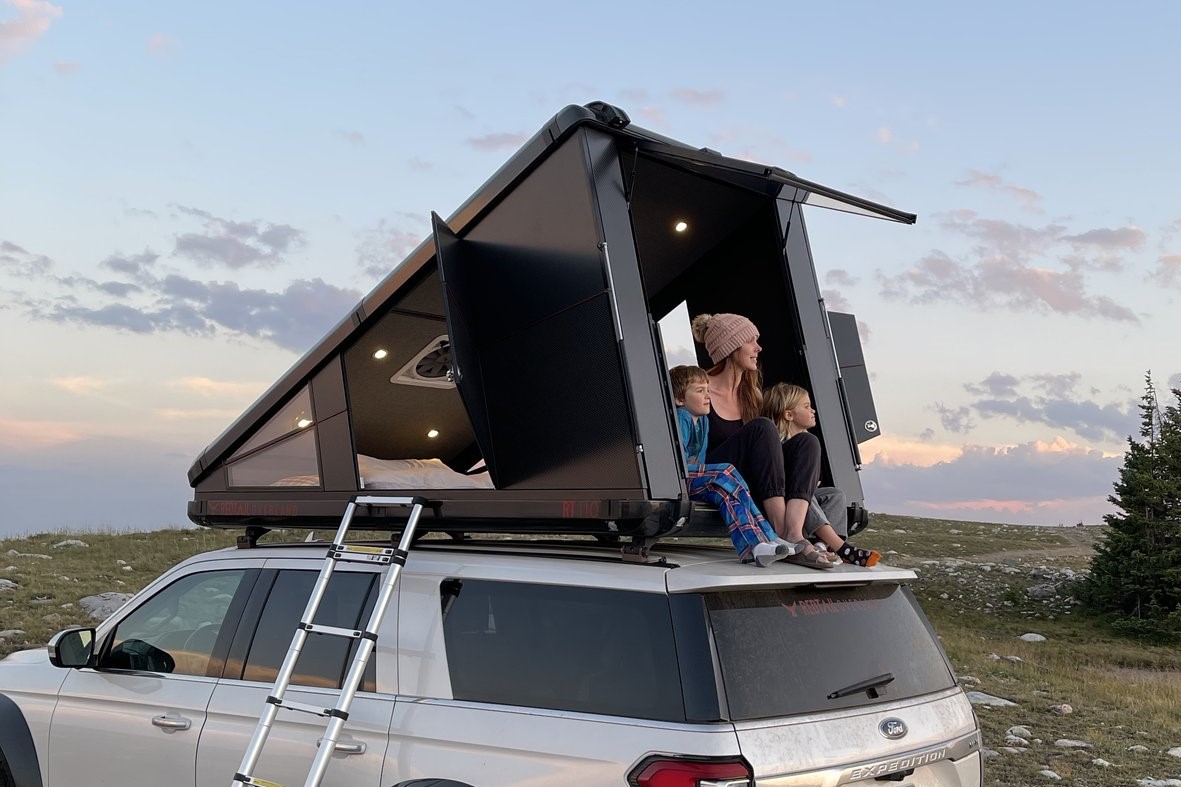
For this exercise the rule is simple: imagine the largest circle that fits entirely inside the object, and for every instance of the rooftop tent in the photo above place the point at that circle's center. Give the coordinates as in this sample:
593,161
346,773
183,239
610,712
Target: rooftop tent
511,370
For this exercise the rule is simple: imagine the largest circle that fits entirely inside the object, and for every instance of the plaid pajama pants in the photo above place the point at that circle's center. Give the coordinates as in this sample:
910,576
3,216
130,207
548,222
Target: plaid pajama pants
724,487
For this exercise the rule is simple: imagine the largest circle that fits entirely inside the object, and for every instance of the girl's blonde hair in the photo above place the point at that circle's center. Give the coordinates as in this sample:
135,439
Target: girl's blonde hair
780,398
750,385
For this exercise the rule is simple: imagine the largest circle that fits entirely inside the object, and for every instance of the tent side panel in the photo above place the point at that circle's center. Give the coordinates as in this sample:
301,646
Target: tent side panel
649,390
839,445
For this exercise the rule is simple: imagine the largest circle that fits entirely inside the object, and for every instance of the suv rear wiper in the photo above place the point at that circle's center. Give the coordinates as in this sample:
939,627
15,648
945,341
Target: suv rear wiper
868,685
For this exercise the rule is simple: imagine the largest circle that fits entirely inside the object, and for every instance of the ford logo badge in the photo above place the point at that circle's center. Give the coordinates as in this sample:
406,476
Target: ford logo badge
893,728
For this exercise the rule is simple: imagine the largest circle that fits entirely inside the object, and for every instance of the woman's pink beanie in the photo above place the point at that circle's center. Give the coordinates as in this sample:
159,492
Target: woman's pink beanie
722,334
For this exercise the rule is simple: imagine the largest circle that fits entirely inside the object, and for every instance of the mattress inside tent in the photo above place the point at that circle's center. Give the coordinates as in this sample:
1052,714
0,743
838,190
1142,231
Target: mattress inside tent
402,474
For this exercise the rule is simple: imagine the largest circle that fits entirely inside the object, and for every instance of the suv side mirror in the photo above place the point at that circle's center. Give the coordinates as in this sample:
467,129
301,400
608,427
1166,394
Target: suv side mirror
71,648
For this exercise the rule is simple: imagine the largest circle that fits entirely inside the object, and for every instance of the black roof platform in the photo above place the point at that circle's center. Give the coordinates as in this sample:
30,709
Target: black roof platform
511,370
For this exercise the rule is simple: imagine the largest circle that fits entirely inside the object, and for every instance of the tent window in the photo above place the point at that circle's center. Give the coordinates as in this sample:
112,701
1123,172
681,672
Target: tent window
295,415
291,462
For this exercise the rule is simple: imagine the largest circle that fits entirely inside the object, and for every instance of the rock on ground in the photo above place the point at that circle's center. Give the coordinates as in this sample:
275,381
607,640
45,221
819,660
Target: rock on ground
101,607
980,698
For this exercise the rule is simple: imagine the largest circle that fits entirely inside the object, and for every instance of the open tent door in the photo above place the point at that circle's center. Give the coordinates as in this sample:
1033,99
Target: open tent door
854,376
537,360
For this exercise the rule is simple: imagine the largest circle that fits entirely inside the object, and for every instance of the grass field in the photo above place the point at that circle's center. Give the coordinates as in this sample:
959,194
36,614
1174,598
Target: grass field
974,582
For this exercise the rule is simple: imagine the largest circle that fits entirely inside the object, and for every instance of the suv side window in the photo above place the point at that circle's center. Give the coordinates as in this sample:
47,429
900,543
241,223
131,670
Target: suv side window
324,660
567,648
176,629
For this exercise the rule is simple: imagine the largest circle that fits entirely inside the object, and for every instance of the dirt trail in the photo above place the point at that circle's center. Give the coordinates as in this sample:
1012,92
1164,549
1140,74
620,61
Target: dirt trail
1082,545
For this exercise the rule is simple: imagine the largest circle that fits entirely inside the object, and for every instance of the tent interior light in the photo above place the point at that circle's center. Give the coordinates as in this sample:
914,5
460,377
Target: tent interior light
681,226
380,353
303,423
433,433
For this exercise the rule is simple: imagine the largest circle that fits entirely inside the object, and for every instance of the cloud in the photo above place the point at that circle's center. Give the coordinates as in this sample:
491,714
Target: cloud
1168,270
383,248
995,384
957,420
754,143
652,115
1054,402
82,386
501,141
705,99
294,318
352,137
161,45
419,164
66,69
208,387
1030,200
636,94
1004,273
1055,482
838,277
236,244
19,435
135,266
1130,238
33,18
835,302
207,414
22,264
840,102
885,135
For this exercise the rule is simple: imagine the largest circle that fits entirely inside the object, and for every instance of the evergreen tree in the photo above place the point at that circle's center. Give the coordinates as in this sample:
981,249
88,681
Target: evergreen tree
1136,570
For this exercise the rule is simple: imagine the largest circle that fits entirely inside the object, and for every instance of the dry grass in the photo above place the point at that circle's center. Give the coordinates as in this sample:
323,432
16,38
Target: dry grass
973,582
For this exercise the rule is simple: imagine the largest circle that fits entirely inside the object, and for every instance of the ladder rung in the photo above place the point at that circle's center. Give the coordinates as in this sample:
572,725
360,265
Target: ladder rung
254,780
336,631
315,710
357,553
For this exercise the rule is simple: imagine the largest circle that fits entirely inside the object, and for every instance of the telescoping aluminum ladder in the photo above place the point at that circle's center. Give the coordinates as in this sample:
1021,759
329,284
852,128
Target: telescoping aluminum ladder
338,552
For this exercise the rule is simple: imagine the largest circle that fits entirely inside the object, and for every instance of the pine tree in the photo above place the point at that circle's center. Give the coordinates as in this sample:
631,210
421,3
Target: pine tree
1136,570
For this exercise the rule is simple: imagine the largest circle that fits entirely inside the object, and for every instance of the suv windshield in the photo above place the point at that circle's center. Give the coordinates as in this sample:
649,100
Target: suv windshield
788,651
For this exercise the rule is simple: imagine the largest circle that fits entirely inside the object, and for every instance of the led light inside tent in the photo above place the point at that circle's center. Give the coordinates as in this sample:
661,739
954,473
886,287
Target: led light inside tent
381,353
304,423
433,433
681,226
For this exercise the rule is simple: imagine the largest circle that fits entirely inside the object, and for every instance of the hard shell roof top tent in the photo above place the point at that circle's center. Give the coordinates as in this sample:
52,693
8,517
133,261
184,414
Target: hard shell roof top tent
524,335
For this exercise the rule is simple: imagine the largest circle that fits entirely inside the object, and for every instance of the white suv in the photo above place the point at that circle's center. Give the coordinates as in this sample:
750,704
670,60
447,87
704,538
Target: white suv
503,663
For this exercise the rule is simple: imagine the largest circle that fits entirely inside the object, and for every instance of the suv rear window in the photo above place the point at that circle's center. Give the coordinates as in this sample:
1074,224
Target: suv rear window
785,651
567,648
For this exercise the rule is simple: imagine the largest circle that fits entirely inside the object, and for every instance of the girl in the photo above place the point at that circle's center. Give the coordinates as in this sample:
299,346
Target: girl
790,407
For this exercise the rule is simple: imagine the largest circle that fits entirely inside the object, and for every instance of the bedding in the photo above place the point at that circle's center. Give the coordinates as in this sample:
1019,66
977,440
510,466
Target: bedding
416,474
402,474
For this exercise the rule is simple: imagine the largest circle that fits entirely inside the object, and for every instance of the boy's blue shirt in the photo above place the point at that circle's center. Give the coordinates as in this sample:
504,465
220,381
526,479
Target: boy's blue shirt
694,437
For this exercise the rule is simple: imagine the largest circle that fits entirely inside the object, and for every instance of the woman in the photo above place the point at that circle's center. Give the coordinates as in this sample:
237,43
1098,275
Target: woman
739,436
790,407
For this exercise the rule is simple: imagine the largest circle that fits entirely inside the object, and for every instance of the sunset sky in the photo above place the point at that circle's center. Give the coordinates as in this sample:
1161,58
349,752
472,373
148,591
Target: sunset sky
192,194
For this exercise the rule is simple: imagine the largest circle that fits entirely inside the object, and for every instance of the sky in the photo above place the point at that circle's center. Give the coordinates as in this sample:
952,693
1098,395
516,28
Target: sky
191,194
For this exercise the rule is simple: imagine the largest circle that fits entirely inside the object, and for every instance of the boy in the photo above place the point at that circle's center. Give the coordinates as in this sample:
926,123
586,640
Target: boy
720,484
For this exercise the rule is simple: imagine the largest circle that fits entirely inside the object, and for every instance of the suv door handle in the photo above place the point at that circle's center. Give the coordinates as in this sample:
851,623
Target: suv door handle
345,748
172,722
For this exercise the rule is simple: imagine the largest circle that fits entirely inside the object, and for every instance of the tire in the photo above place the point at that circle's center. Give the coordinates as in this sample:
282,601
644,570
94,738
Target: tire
6,779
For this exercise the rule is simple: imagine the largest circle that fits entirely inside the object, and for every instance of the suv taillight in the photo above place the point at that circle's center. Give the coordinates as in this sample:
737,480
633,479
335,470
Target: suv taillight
664,771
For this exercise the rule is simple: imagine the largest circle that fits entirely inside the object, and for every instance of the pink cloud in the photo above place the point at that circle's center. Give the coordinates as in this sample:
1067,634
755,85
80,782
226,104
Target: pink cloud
18,434
1168,270
499,141
699,98
162,45
66,69
33,18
